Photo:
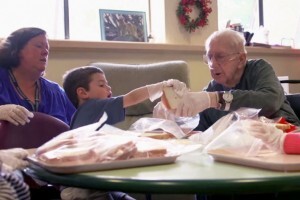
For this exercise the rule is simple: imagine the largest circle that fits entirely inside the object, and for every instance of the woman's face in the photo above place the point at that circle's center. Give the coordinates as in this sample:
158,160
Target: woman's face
34,55
225,63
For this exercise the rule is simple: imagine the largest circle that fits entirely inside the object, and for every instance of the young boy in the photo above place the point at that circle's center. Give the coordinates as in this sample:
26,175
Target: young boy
89,91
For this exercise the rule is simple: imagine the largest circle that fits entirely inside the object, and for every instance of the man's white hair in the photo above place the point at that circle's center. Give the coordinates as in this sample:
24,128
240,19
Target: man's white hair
234,39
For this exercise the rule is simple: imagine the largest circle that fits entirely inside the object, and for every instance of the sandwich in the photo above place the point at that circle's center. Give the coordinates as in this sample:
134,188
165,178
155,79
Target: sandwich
170,98
161,135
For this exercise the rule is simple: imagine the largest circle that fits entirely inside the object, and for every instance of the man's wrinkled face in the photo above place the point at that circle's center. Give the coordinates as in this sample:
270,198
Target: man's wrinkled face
222,61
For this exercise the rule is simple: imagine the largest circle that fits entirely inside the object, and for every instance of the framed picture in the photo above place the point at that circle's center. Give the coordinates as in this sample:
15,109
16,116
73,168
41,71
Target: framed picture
118,25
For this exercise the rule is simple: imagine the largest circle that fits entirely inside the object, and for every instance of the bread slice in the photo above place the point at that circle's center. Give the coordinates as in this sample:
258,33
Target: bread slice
151,153
157,135
170,98
283,127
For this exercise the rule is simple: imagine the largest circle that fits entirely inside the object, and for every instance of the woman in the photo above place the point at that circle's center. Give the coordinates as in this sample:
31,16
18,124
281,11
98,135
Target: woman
23,60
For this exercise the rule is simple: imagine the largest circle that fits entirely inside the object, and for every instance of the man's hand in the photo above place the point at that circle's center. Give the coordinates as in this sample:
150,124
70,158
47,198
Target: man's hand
193,103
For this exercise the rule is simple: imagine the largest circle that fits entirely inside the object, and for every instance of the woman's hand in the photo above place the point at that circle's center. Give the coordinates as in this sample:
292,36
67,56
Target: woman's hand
13,159
268,133
15,114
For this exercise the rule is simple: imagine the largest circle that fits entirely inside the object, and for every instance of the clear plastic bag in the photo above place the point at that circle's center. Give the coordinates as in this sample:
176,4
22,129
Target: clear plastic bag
179,128
187,124
229,133
236,139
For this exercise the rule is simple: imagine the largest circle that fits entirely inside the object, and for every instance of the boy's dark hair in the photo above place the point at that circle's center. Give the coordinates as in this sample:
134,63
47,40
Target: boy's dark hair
11,46
78,77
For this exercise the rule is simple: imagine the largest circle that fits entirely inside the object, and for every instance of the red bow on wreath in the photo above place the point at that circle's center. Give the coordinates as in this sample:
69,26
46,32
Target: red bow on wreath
184,9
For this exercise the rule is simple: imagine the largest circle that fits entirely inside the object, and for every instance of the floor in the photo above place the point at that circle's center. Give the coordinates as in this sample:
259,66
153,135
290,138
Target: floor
53,194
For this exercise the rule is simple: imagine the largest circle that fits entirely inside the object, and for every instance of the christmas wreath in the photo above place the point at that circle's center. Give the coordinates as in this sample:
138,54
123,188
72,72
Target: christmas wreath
184,9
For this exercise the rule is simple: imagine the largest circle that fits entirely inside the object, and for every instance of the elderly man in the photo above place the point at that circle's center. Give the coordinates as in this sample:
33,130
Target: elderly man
237,82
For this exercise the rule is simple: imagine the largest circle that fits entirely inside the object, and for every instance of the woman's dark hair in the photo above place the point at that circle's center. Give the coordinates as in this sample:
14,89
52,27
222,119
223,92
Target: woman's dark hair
11,46
78,77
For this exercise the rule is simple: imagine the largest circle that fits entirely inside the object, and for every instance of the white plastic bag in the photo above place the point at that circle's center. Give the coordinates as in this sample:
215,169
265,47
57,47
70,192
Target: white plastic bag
150,124
236,138
229,133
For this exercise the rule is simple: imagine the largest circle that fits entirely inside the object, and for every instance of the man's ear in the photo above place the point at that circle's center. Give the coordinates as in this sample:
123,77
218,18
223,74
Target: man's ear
242,59
82,93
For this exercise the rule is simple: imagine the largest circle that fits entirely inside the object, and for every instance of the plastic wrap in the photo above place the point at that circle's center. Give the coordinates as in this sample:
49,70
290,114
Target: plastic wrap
85,146
179,128
236,138
95,149
230,133
187,124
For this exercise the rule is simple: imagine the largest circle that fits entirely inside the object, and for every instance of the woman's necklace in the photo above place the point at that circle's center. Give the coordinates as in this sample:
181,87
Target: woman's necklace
35,104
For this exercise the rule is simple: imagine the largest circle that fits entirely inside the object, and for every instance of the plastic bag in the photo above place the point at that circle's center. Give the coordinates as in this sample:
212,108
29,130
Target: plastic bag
229,133
179,129
236,138
187,124
213,131
147,124
87,150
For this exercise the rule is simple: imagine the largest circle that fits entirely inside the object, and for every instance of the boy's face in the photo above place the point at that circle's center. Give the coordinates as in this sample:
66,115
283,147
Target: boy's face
98,87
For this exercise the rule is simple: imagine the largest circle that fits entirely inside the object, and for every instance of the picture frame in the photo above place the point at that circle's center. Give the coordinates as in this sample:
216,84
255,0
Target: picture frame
120,25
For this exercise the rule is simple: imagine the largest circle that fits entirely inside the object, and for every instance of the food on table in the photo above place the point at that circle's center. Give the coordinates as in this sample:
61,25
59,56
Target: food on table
170,98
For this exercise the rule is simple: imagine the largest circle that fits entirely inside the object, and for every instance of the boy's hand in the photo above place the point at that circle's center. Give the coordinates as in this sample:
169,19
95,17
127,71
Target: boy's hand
178,86
156,90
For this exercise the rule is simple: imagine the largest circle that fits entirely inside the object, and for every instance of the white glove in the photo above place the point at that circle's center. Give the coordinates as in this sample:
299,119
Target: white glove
268,133
13,159
15,114
192,103
156,90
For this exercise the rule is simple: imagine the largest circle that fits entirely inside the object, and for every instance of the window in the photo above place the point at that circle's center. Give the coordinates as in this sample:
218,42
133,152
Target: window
281,19
244,12
84,15
46,14
84,22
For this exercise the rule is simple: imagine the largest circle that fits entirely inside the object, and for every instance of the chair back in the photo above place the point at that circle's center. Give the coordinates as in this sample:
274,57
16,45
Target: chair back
40,129
294,100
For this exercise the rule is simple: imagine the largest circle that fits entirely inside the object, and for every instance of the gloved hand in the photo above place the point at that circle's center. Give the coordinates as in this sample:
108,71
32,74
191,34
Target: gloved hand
268,133
192,103
156,90
15,114
13,159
